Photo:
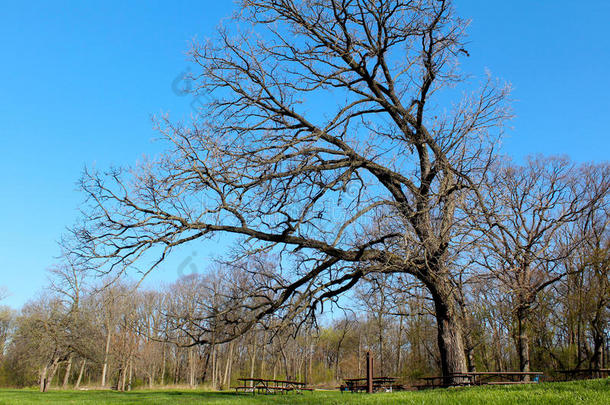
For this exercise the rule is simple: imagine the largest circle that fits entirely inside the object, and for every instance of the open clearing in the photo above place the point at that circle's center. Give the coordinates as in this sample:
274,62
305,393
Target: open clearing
574,392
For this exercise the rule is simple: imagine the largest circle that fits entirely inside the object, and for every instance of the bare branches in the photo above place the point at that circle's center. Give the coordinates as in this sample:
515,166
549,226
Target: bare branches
321,143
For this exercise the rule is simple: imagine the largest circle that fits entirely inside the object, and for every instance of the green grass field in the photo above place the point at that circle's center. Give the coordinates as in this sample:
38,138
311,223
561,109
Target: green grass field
576,392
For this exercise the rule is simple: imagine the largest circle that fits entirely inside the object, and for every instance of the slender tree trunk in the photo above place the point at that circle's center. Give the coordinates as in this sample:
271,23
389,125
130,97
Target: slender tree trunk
523,344
151,378
359,355
130,373
214,376
310,373
177,368
191,368
67,374
381,333
598,349
263,361
43,378
227,379
205,364
54,368
399,347
163,364
105,366
253,359
123,377
80,374
218,370
469,353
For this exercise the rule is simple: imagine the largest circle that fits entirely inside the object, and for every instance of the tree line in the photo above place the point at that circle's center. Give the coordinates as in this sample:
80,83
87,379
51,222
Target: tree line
81,332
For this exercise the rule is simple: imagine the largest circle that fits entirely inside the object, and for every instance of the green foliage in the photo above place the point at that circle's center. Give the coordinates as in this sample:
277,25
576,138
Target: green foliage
589,392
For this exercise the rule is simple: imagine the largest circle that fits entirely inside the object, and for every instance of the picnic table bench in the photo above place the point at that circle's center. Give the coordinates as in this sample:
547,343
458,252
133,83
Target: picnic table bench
460,379
270,386
584,373
387,384
509,377
480,378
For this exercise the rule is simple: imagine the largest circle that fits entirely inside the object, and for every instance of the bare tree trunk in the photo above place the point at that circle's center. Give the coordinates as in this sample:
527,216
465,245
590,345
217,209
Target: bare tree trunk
399,346
123,377
214,367
381,333
205,364
151,377
449,329
523,345
227,379
218,370
176,368
130,373
310,373
253,358
54,368
67,374
80,374
469,353
359,354
43,379
163,365
105,366
191,367
598,351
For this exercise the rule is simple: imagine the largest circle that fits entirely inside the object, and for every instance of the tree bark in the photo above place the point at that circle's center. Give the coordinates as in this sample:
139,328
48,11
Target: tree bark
130,374
252,360
399,346
227,379
449,330
54,368
469,350
191,367
523,344
43,379
105,366
67,374
163,365
214,376
206,363
598,347
80,374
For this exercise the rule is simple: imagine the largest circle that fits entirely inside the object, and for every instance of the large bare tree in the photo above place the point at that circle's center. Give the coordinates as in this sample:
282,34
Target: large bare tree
333,138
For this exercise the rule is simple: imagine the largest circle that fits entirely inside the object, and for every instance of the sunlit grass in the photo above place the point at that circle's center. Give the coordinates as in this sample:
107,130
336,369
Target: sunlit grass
576,392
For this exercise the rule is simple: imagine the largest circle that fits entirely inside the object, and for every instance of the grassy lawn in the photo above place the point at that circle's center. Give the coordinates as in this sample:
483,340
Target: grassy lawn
577,392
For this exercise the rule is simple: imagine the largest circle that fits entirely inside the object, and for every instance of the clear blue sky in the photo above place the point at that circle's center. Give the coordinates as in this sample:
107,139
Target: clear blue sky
79,82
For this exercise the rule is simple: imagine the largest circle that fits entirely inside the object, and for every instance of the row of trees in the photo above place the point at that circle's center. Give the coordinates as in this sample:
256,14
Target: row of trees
122,337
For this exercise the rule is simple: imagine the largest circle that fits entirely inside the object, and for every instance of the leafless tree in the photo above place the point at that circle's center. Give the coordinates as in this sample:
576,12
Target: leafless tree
330,139
586,293
529,229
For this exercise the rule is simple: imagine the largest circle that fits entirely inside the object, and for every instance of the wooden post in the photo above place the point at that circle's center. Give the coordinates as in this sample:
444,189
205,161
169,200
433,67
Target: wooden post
369,372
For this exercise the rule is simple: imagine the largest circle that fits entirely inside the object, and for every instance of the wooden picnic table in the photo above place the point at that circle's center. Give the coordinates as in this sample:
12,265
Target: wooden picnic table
379,383
585,373
440,381
513,377
270,386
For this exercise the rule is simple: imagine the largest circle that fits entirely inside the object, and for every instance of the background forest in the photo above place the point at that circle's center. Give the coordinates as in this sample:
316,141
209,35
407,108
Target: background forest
79,334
